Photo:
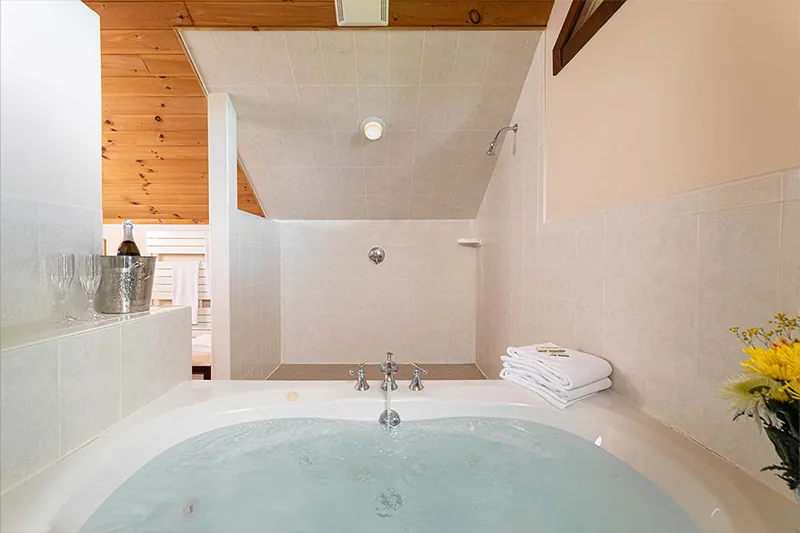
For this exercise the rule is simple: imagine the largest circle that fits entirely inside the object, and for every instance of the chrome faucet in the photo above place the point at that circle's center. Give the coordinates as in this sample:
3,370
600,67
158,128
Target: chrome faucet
388,369
416,380
361,380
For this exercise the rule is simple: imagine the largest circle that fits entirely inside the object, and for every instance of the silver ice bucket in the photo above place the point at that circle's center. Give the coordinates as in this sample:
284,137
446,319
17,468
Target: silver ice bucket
126,284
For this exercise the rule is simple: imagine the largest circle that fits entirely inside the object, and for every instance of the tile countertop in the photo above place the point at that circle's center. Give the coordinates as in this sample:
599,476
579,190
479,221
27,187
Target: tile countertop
18,336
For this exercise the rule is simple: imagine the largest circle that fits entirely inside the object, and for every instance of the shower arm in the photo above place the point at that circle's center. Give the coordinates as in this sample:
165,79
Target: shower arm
493,144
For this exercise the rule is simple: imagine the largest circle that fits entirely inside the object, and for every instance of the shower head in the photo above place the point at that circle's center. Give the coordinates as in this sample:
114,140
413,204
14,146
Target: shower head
492,145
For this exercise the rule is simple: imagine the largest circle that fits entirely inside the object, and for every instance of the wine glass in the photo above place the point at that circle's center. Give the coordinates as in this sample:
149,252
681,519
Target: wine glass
89,276
61,268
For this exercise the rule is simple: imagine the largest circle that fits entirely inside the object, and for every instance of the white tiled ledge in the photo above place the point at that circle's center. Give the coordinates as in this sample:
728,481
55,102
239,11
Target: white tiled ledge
63,389
22,335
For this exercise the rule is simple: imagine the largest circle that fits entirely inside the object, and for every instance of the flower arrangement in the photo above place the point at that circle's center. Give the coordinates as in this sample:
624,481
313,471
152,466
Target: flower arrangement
769,390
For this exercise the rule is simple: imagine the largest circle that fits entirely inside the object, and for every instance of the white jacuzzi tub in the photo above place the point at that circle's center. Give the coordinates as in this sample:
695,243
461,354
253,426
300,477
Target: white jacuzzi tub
718,496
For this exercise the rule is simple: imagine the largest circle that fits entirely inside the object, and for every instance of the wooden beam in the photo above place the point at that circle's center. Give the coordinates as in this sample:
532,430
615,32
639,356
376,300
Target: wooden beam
168,65
470,14
151,105
123,65
140,15
155,123
310,14
155,138
152,86
139,42
402,13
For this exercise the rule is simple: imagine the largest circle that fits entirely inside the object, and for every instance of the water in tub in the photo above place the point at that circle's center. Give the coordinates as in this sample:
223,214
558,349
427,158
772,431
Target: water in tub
456,475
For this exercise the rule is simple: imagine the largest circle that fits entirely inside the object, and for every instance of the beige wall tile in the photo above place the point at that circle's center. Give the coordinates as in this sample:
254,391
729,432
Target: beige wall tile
28,411
791,184
338,57
743,193
85,411
438,57
405,57
372,57
420,303
305,57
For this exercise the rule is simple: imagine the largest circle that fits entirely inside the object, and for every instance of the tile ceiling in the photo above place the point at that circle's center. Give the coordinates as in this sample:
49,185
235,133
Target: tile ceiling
300,97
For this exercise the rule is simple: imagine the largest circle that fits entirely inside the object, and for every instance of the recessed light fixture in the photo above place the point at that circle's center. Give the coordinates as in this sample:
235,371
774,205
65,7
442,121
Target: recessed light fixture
373,128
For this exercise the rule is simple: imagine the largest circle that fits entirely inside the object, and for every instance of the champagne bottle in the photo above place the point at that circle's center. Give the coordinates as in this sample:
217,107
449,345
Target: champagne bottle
128,246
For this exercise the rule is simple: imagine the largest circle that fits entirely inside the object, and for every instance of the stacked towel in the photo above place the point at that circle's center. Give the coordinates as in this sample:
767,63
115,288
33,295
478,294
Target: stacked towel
560,378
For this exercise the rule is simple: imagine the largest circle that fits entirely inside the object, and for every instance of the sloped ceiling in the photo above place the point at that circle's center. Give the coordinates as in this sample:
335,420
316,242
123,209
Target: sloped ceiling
301,95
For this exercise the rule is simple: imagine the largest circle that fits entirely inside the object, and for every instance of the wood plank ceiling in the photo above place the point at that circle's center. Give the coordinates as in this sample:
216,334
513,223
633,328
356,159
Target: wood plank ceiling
155,166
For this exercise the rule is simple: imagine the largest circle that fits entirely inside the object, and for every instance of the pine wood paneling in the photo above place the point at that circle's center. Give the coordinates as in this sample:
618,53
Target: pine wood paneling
517,13
136,179
152,86
140,15
155,123
123,65
311,14
161,153
151,105
155,138
147,166
168,65
139,42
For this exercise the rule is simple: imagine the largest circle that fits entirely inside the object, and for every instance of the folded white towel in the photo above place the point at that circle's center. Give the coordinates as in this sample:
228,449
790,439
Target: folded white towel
185,285
201,343
577,370
552,397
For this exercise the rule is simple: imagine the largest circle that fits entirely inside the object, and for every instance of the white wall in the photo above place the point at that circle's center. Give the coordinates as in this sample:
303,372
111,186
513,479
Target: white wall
337,307
50,141
652,287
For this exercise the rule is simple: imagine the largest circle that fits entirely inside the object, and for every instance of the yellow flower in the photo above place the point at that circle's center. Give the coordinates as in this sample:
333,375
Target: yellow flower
793,389
779,362
746,391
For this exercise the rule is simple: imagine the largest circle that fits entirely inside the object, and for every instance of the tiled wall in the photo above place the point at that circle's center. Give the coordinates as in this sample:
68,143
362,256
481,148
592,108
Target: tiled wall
255,296
651,287
50,201
31,231
340,308
60,393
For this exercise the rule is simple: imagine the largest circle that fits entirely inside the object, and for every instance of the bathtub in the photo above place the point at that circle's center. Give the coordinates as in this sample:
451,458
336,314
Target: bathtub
717,496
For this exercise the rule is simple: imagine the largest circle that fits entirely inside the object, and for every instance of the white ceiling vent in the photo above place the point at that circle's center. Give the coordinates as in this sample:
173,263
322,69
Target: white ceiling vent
362,12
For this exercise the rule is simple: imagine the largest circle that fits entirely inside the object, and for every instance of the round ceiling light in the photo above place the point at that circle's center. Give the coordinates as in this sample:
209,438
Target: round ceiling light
373,128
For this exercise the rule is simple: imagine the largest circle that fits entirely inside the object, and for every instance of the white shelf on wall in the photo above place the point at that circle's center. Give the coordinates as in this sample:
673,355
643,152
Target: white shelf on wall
469,243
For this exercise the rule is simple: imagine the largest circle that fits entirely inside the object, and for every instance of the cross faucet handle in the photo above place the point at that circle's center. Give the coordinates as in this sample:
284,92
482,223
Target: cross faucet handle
359,369
361,380
418,369
416,380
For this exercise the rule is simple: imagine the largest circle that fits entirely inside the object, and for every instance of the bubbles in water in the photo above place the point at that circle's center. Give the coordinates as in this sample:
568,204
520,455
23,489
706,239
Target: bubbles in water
188,508
389,502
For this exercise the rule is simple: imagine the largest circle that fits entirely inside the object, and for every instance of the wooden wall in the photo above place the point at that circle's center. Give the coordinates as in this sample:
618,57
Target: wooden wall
155,164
